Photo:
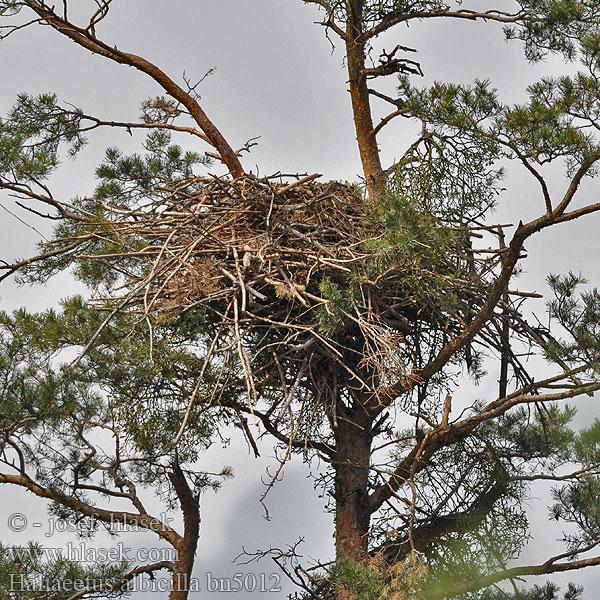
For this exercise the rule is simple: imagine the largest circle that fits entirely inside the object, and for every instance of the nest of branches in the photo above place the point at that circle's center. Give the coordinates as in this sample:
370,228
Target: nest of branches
271,264
256,244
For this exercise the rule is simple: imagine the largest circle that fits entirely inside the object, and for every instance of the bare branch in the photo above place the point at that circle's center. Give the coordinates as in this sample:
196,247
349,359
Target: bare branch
401,16
330,22
122,583
144,521
87,40
101,13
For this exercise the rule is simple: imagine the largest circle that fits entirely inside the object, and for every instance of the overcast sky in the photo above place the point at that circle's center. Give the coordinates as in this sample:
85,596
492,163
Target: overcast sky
276,77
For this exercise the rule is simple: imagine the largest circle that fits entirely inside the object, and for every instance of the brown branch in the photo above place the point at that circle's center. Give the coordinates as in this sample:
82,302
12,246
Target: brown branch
141,520
580,212
90,42
575,182
10,29
133,125
444,436
121,584
457,589
248,434
14,267
99,15
397,102
386,120
536,174
400,16
186,546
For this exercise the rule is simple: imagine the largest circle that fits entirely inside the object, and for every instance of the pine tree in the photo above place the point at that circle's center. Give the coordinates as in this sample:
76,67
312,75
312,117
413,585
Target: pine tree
72,437
344,318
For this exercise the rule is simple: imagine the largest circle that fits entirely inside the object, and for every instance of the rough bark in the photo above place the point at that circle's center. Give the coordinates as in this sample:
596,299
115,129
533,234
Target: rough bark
352,515
361,106
186,548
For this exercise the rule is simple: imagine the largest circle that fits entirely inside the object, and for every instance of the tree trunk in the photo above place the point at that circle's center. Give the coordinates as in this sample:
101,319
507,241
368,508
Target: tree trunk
361,104
352,516
186,548
182,573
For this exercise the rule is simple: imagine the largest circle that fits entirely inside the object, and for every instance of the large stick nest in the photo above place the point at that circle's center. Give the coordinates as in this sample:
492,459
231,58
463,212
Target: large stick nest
267,261
266,244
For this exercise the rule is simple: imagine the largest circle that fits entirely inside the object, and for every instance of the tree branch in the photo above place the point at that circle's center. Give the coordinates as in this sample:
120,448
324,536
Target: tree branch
108,587
268,425
144,521
400,16
87,40
444,436
457,589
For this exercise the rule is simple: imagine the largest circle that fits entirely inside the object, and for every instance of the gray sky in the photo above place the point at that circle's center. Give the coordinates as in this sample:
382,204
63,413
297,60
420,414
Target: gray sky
276,77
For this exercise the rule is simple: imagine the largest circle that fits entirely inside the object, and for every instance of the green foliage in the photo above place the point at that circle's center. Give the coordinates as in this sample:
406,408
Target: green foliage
123,382
486,526
373,580
578,313
27,573
562,26
419,244
470,121
548,591
145,382
576,503
537,435
549,126
160,110
587,446
331,318
126,182
363,580
31,135
126,179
